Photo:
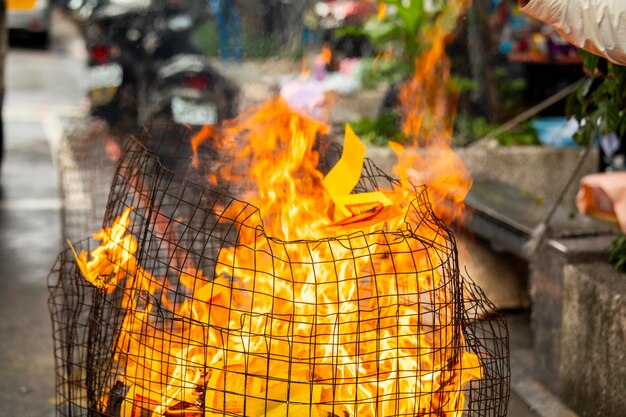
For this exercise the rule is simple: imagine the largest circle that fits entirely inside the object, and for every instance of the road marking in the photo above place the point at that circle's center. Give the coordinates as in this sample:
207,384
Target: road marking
53,129
54,120
30,114
31,204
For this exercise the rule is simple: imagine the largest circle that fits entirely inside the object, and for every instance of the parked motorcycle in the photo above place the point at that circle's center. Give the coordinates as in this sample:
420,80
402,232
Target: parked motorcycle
116,63
186,88
144,66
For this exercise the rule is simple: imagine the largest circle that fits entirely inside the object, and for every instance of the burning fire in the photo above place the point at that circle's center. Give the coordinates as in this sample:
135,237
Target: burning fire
294,320
427,105
330,304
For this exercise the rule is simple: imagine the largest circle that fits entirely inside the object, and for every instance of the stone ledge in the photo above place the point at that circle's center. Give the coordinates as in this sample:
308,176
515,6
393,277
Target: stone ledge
592,370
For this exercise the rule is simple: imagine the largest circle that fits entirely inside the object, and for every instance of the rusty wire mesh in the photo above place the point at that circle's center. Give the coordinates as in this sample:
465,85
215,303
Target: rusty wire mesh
85,175
188,316
87,158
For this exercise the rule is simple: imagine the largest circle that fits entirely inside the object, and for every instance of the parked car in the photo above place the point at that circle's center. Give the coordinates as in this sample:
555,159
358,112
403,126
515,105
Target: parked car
31,16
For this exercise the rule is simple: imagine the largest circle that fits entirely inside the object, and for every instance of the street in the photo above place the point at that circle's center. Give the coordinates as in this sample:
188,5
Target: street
42,90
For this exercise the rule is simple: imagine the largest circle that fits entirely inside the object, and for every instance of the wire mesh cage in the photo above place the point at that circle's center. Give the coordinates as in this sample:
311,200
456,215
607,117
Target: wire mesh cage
184,305
88,156
86,172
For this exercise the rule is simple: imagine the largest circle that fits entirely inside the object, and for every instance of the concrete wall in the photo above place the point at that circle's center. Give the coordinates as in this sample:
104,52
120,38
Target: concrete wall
538,170
547,294
593,350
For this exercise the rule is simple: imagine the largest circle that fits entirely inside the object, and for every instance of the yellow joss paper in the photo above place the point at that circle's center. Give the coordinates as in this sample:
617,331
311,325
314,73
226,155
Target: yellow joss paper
345,175
231,391
303,398
342,179
228,391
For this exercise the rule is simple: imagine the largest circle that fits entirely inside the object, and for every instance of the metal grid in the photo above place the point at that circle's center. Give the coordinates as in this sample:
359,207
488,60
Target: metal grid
188,308
86,172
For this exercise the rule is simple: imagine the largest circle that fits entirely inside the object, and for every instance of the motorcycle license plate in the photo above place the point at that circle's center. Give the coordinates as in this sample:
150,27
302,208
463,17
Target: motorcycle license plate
105,76
190,112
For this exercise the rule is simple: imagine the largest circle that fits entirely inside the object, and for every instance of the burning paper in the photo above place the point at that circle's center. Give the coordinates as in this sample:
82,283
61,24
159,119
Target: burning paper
311,293
363,323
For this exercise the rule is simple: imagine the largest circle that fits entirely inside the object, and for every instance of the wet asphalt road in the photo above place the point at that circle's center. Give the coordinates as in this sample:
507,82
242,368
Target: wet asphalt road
43,88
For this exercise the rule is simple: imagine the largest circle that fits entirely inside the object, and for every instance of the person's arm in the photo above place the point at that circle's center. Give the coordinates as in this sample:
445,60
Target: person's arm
599,26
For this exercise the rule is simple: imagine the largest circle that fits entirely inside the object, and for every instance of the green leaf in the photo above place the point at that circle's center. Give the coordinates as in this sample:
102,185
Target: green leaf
573,107
603,66
584,135
622,129
620,72
590,61
608,116
583,90
462,84
617,253
351,31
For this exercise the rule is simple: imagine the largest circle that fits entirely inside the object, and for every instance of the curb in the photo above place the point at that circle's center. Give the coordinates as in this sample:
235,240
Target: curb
539,400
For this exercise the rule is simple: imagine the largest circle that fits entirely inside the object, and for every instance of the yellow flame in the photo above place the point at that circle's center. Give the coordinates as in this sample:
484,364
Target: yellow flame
427,106
361,324
363,338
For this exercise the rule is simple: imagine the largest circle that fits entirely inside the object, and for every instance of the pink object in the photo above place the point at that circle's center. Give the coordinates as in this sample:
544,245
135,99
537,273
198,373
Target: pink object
305,96
319,69
349,66
603,196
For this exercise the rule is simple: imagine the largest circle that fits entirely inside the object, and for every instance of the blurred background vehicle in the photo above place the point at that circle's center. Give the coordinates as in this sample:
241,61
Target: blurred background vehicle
144,66
31,17
183,87
113,34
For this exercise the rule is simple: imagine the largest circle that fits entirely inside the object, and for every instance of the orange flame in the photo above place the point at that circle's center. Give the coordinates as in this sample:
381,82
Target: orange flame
361,338
427,105
304,69
299,320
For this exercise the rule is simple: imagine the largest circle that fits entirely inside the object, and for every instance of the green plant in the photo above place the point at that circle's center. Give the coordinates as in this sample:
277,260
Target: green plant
524,134
373,72
404,34
617,254
404,30
468,129
379,130
599,102
510,89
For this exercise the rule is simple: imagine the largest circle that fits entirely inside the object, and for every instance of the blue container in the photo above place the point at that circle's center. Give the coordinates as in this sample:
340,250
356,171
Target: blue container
557,132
